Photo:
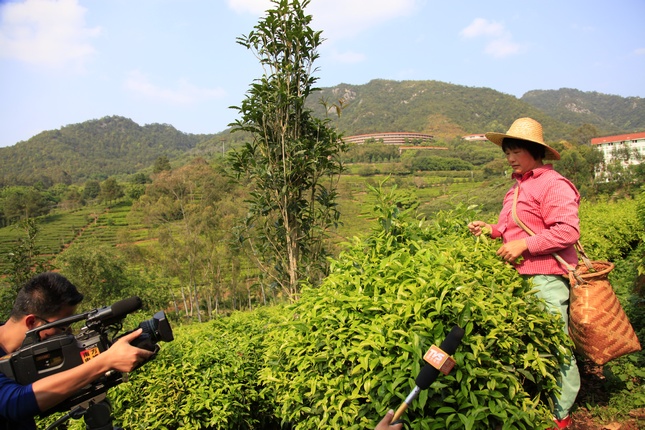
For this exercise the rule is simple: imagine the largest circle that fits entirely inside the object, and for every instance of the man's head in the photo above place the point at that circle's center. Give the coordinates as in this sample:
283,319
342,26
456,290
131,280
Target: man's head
45,298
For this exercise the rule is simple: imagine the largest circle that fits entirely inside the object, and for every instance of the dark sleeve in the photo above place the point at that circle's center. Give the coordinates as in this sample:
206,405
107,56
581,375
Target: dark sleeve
17,402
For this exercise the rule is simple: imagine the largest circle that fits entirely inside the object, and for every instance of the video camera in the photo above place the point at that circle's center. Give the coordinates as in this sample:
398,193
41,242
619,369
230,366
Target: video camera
37,359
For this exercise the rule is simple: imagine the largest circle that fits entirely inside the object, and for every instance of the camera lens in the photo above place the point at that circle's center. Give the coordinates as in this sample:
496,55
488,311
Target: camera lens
158,328
155,329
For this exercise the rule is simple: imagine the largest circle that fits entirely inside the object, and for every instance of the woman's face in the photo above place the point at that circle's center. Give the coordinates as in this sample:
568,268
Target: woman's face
521,160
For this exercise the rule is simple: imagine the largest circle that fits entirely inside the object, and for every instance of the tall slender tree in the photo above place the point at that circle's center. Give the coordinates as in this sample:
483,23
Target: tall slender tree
293,161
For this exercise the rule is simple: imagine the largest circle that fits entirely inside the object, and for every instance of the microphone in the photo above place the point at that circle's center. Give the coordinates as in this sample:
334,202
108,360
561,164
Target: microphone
438,360
116,312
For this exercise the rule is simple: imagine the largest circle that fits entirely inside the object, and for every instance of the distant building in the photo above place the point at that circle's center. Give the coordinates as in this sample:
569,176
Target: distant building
609,145
474,137
394,138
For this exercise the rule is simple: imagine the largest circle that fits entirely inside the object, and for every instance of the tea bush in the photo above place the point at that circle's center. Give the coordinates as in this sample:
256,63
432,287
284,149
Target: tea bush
205,379
351,349
610,230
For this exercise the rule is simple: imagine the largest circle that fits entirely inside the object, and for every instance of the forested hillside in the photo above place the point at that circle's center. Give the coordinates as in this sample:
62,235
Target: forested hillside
448,111
611,113
94,149
443,110
99,148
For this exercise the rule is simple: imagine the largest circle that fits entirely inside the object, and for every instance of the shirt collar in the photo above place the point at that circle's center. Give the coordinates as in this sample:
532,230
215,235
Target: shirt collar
533,173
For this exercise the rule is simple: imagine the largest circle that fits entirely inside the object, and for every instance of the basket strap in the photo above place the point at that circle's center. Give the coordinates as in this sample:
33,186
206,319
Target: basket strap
570,268
583,256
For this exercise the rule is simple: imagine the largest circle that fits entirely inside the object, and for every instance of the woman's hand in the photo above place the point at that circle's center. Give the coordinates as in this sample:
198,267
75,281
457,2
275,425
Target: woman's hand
479,227
512,250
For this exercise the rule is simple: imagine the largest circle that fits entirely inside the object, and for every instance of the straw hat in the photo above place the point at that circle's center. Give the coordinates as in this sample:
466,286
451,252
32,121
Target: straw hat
525,129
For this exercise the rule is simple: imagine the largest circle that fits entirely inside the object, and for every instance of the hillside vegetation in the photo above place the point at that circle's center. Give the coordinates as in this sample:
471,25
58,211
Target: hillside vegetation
94,149
609,113
114,145
349,350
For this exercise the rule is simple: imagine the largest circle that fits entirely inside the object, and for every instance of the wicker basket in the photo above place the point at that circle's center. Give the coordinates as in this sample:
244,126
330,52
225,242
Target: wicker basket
598,324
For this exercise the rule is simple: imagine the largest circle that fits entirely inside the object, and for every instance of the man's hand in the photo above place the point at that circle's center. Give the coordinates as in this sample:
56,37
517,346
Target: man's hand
124,357
121,356
384,424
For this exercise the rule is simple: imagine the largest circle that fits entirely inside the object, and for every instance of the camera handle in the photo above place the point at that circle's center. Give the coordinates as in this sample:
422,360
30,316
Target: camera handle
98,416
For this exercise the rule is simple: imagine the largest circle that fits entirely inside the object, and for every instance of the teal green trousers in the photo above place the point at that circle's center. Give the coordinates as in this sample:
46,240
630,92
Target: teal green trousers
554,290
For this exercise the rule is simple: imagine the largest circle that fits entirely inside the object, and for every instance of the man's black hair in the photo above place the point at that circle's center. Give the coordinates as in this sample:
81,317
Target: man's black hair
45,295
536,150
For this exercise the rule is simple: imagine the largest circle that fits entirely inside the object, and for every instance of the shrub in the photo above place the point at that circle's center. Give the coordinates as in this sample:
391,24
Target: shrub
205,379
610,230
208,377
351,349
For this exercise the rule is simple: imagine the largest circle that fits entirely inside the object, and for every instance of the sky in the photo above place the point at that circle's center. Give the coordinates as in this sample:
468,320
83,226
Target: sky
177,62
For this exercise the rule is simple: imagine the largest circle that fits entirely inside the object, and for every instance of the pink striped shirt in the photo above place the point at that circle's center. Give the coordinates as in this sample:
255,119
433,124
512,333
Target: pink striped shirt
548,204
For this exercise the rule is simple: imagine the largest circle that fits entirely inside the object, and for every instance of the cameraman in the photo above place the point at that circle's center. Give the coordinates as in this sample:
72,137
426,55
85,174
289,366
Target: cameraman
43,299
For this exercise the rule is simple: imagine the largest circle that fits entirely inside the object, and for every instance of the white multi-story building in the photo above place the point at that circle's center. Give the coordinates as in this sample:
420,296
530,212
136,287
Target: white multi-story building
611,145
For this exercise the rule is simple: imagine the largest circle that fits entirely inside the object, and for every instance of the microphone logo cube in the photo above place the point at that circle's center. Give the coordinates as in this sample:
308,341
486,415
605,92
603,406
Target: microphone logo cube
439,359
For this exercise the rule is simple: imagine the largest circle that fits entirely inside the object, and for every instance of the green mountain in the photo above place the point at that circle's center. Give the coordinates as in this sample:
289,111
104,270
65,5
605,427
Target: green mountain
444,110
449,111
611,113
115,145
92,149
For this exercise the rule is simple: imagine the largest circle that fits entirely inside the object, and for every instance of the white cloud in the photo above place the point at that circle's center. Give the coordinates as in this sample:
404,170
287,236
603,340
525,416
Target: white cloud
483,27
348,57
639,51
48,33
339,19
502,47
500,42
256,7
185,93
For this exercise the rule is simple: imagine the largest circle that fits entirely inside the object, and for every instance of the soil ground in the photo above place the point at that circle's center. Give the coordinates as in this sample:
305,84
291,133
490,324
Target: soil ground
593,391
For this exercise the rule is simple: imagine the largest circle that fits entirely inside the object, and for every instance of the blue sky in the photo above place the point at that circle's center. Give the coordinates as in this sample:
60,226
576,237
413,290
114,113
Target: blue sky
176,61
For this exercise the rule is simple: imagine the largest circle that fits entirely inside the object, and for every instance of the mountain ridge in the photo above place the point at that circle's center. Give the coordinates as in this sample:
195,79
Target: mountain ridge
114,145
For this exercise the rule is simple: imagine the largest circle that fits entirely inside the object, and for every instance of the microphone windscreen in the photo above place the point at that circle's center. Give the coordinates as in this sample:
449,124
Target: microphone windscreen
452,341
126,306
426,376
428,373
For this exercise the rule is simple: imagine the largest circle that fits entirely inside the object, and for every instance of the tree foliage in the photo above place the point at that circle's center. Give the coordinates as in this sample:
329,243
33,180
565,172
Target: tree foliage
192,209
111,190
22,203
23,261
581,164
292,162
98,271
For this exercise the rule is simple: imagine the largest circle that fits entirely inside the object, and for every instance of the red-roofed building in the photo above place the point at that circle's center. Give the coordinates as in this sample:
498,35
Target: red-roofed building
632,142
